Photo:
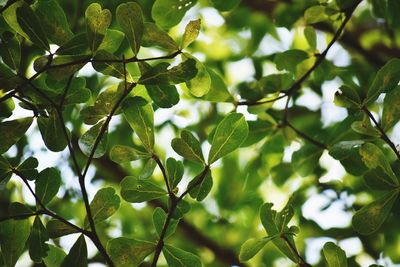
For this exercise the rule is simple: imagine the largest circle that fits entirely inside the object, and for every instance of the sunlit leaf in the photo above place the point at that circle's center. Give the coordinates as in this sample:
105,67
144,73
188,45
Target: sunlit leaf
179,258
137,190
191,32
334,255
168,13
188,147
104,204
126,252
97,22
88,140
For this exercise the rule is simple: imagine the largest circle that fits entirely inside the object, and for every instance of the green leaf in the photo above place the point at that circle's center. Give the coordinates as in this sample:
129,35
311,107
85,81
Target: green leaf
225,5
230,133
77,92
175,171
305,160
10,16
155,36
126,252
54,20
47,184
168,13
16,208
52,132
7,106
188,147
12,131
385,80
218,90
28,168
377,179
56,229
112,41
275,223
391,109
104,204
200,85
159,217
393,8
55,256
38,249
66,69
311,37
103,104
182,208
140,116
136,190
77,255
373,157
364,127
275,82
97,22
5,170
30,24
202,188
369,219
252,246
13,236
177,257
10,51
315,14
191,32
130,18
88,139
77,45
108,68
289,59
164,96
160,74
334,255
347,152
122,154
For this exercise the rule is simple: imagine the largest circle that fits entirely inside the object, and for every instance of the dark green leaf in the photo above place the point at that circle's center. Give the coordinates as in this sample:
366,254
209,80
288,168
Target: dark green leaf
179,258
28,168
130,18
139,114
385,80
369,219
188,147
65,67
275,82
38,249
164,96
225,5
230,133
148,169
104,204
121,154
77,92
12,131
77,256
364,127
30,24
53,20
203,186
5,170
155,36
47,184
175,171
52,132
77,45
191,32
56,229
160,74
136,190
334,255
182,208
10,51
168,13
159,217
126,252
347,152
377,179
88,140
97,22
13,236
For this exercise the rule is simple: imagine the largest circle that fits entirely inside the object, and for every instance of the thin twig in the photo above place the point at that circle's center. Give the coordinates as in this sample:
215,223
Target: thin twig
383,134
164,173
22,215
174,204
302,263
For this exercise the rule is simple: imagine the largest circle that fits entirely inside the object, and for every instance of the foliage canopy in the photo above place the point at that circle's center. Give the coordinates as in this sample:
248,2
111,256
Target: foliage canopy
199,132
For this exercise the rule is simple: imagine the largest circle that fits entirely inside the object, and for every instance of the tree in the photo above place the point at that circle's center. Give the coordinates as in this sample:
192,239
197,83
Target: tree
108,103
